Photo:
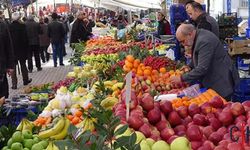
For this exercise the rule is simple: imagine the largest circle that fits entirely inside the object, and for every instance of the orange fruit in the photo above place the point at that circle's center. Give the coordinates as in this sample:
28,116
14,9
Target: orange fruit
137,61
139,72
136,64
155,72
126,69
147,72
163,70
75,120
130,58
78,113
128,64
70,117
171,72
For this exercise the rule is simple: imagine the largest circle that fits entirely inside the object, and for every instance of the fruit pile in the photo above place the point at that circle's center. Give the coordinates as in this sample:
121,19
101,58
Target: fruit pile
159,62
25,140
199,100
66,82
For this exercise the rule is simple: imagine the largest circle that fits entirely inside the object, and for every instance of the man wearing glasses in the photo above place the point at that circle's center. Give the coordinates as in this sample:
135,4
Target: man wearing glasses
211,65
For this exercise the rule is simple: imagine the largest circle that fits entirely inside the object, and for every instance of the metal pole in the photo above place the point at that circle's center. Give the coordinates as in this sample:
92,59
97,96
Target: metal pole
54,5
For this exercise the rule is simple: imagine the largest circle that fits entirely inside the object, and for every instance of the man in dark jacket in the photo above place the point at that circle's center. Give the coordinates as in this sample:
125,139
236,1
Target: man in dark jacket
6,57
56,34
20,45
33,30
201,18
44,39
163,25
79,30
211,65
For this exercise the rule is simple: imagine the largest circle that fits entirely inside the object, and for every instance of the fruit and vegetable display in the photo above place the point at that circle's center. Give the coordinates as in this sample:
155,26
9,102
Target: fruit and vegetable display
118,99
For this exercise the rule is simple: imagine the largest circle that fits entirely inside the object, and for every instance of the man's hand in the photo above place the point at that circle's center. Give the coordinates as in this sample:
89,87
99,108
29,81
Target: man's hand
10,71
175,79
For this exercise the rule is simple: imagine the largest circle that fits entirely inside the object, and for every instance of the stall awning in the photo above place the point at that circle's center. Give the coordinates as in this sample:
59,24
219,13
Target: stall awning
21,2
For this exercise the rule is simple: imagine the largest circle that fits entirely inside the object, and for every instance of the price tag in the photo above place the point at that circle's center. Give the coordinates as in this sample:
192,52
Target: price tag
128,92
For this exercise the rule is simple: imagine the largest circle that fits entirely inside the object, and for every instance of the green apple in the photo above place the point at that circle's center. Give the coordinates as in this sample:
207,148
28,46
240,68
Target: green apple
37,147
9,143
26,149
5,148
161,145
35,135
16,146
144,145
27,134
126,133
139,137
36,140
150,142
17,137
44,143
180,143
28,143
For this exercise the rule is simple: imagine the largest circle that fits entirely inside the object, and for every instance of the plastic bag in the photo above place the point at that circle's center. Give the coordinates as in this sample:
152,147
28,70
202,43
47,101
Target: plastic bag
170,54
121,33
49,49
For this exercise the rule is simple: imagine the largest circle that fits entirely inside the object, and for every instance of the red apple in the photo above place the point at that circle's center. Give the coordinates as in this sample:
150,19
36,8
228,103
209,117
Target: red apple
137,112
222,130
226,118
215,137
183,111
174,119
207,131
145,129
179,128
199,120
202,148
235,146
186,121
193,109
215,123
196,144
220,147
246,105
224,143
162,125
206,108
166,107
208,145
135,122
172,138
210,115
227,137
147,102
216,102
155,137
167,133
194,133
157,105
154,116
217,113
240,118
237,109
247,147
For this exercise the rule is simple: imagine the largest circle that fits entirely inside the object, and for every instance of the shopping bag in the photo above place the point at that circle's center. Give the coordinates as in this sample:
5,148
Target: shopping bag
49,49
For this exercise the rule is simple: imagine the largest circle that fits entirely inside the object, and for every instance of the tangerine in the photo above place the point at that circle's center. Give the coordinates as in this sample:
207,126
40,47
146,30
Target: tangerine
147,72
163,70
130,58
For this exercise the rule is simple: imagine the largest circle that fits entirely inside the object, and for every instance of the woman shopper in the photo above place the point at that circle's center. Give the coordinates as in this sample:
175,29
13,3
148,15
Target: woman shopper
20,45
44,40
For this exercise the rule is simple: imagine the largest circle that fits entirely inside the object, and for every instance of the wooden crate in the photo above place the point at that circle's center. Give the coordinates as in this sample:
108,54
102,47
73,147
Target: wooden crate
237,47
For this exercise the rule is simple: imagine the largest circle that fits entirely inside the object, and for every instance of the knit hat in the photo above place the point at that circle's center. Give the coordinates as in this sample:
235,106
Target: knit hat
16,16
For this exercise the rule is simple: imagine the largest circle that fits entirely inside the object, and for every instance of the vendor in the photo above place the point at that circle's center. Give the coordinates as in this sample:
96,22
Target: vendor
163,25
200,18
136,21
211,65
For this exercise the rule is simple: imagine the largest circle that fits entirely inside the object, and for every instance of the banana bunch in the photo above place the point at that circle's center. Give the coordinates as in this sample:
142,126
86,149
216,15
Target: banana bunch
58,128
87,124
64,132
52,146
25,125
109,102
109,84
117,86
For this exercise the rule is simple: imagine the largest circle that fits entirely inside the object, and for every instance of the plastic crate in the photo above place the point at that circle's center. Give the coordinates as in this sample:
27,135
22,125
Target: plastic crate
240,98
243,88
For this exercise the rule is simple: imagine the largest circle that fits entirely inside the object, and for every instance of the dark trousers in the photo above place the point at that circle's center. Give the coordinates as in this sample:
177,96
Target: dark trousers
24,71
44,53
57,52
4,87
34,50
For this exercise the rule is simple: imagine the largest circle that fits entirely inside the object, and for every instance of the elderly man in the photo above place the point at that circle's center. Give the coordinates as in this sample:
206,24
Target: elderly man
201,18
211,65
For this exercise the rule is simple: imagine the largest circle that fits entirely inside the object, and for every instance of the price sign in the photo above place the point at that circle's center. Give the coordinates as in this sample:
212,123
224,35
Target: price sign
128,92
